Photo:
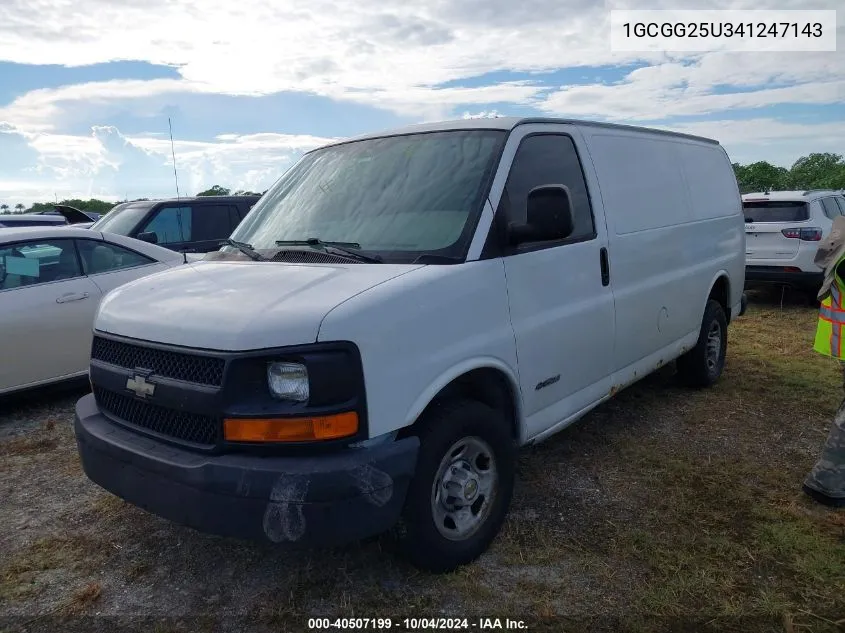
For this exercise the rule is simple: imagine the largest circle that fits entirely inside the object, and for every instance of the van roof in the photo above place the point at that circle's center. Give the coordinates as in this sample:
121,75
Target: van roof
800,195
509,123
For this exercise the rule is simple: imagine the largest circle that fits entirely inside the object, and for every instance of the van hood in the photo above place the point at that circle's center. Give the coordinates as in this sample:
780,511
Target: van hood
236,306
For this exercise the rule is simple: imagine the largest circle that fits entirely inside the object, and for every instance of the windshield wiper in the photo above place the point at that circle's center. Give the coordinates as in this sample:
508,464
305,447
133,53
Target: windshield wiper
246,249
346,249
427,258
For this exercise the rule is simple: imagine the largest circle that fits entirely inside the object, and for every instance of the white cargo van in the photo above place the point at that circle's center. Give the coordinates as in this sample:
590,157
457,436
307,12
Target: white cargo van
397,315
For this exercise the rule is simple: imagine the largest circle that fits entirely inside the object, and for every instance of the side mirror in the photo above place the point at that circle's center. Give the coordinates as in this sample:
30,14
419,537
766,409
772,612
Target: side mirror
150,237
549,216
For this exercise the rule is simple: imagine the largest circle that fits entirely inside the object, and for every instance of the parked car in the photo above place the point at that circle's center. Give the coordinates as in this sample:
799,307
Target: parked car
783,230
61,215
73,215
191,225
398,314
51,282
31,219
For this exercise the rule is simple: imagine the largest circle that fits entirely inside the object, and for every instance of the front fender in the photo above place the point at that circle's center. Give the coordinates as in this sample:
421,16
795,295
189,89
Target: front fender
456,371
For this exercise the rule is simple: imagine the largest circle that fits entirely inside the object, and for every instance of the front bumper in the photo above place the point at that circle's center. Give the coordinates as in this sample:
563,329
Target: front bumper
320,500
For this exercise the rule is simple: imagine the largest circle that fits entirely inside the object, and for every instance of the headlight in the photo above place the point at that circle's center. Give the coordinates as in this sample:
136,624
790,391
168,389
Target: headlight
288,381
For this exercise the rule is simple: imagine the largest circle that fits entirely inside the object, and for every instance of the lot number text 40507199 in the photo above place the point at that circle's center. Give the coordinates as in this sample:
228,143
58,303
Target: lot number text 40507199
417,624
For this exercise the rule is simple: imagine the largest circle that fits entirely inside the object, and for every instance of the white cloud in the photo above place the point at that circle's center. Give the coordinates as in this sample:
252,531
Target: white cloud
710,83
492,114
778,142
384,53
254,46
251,161
650,100
391,55
381,52
40,109
109,165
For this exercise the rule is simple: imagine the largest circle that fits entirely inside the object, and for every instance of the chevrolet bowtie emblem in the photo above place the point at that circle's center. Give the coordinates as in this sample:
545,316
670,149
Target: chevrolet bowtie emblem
140,386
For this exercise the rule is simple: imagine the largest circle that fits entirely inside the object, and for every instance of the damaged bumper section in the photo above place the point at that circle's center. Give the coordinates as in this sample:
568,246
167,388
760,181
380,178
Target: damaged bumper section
318,501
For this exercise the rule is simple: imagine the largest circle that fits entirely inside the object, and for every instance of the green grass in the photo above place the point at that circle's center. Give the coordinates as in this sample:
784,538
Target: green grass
725,530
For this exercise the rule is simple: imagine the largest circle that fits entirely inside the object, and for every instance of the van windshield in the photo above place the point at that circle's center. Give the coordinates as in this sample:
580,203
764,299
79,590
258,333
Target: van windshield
775,211
397,197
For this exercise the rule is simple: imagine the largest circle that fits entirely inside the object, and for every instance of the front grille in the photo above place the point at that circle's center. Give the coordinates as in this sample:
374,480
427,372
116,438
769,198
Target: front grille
188,427
295,256
203,370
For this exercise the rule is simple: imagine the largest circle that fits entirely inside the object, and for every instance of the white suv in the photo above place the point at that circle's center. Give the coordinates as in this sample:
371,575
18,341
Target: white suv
783,230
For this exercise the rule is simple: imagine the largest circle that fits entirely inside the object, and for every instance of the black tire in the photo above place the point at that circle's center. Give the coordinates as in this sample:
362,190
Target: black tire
420,539
697,368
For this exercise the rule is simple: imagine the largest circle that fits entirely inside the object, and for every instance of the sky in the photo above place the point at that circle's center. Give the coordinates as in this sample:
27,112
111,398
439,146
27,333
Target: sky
86,88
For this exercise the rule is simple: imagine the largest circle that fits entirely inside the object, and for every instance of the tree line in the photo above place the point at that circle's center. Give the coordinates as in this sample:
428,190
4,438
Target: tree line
815,171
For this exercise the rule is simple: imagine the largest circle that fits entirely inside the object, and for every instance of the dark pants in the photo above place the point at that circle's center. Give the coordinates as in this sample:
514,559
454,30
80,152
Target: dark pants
826,482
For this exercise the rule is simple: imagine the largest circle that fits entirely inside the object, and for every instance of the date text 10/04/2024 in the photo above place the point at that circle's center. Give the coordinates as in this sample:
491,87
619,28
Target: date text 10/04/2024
416,624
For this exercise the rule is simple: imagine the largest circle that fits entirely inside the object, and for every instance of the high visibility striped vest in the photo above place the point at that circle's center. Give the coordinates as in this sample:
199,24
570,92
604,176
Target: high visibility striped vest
829,332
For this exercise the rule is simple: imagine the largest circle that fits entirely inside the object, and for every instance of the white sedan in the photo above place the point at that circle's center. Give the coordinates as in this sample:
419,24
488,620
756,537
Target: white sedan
51,282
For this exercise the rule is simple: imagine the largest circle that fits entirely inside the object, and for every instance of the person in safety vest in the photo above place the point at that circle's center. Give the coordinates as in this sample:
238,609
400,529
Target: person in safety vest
826,482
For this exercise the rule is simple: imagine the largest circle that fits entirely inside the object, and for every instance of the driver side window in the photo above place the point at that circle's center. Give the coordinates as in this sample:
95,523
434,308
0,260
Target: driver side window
548,159
172,225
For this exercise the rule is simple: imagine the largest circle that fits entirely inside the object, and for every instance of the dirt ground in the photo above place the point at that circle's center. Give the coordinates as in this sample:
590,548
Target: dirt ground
665,509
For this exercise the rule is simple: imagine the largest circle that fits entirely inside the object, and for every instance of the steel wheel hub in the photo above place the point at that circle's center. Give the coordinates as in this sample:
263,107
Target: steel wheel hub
714,346
464,488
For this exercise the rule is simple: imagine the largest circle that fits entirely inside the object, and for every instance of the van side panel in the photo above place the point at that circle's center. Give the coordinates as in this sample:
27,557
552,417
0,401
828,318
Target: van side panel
714,195
674,222
433,324
710,181
645,202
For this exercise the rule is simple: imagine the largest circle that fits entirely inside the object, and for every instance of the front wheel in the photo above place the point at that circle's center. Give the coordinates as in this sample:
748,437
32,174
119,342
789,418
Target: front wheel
462,487
703,364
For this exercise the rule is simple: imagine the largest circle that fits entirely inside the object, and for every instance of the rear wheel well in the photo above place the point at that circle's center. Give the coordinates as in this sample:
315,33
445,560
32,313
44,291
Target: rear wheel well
486,385
721,292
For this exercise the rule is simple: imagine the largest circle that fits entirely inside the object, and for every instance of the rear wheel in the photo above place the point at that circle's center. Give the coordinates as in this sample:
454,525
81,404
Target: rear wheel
703,364
462,486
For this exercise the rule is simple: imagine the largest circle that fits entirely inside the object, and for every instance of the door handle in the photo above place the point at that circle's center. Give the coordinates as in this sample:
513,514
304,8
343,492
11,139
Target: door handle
605,267
72,296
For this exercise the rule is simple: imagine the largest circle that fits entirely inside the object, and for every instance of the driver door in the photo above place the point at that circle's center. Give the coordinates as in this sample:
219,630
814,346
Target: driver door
561,302
47,312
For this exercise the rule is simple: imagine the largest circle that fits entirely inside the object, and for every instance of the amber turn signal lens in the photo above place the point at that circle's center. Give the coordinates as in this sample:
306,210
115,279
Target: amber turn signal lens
328,427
